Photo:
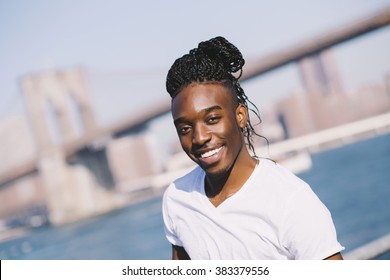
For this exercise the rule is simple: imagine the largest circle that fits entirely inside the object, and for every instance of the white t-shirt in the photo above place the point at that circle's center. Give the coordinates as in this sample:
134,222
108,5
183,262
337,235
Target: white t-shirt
275,215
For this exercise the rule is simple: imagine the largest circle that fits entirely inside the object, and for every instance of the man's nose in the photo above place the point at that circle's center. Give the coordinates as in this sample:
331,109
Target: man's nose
201,135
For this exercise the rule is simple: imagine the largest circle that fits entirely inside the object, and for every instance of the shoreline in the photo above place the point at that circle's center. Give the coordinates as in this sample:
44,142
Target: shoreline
12,233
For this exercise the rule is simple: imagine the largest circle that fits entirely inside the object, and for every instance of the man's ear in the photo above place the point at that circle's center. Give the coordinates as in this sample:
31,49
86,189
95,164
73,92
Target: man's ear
241,115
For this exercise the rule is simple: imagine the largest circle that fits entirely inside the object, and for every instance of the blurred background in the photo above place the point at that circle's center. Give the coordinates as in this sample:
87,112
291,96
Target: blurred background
87,141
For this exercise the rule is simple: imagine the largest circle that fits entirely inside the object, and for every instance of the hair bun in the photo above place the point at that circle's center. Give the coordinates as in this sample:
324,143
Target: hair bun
222,50
213,60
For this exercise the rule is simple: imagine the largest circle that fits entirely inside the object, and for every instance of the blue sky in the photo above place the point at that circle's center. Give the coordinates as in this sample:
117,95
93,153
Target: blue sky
128,46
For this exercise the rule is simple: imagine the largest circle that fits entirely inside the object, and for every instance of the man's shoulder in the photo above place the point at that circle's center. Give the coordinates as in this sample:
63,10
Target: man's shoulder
188,181
190,175
277,175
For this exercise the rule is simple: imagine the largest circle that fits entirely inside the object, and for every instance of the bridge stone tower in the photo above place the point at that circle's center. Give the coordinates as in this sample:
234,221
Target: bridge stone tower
60,111
59,107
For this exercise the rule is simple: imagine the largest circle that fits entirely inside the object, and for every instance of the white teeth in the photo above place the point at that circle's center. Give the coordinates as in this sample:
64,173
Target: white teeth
211,153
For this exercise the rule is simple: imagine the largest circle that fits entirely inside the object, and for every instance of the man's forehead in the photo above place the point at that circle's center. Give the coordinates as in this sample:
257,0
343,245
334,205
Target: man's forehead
200,97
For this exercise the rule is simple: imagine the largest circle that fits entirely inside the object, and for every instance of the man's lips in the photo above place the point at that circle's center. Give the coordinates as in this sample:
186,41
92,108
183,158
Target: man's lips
210,153
210,157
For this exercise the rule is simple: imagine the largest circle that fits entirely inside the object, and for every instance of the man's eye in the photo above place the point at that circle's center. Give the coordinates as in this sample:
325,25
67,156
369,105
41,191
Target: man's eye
184,130
213,119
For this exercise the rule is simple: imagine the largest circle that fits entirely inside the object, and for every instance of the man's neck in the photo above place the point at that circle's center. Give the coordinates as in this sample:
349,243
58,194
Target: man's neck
231,180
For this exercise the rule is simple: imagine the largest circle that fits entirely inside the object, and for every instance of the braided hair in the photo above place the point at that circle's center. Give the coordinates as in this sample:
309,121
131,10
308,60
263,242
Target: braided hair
214,61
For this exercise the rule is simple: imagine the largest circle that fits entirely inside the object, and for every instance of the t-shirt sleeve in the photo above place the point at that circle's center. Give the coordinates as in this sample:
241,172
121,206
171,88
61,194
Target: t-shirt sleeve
168,224
309,232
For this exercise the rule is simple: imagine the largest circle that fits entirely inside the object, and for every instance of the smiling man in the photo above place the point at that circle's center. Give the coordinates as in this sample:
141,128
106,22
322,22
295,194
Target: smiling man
234,205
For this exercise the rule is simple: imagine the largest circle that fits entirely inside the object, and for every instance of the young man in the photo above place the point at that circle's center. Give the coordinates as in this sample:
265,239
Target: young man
233,205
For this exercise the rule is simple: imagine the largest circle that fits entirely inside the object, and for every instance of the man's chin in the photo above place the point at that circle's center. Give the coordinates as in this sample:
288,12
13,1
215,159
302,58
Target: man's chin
215,171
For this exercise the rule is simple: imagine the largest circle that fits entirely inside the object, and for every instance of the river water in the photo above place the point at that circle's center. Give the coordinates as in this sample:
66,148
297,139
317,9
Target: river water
353,181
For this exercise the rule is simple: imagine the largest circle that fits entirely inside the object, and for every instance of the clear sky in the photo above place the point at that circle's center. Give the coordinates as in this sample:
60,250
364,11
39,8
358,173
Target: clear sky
128,46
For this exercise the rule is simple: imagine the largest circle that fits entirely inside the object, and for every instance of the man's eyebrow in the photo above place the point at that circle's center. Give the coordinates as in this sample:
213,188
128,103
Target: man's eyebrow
205,110
212,108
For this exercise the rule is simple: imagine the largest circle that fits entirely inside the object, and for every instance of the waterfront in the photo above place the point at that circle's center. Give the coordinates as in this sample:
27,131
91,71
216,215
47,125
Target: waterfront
353,181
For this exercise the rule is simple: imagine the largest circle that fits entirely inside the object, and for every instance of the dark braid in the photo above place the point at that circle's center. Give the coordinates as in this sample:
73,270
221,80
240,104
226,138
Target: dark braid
215,60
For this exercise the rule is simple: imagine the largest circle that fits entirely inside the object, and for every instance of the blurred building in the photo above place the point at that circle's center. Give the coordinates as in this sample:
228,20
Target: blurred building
131,158
18,153
323,103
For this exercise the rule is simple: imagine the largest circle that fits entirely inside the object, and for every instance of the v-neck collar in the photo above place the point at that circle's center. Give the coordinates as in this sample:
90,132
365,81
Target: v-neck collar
230,199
